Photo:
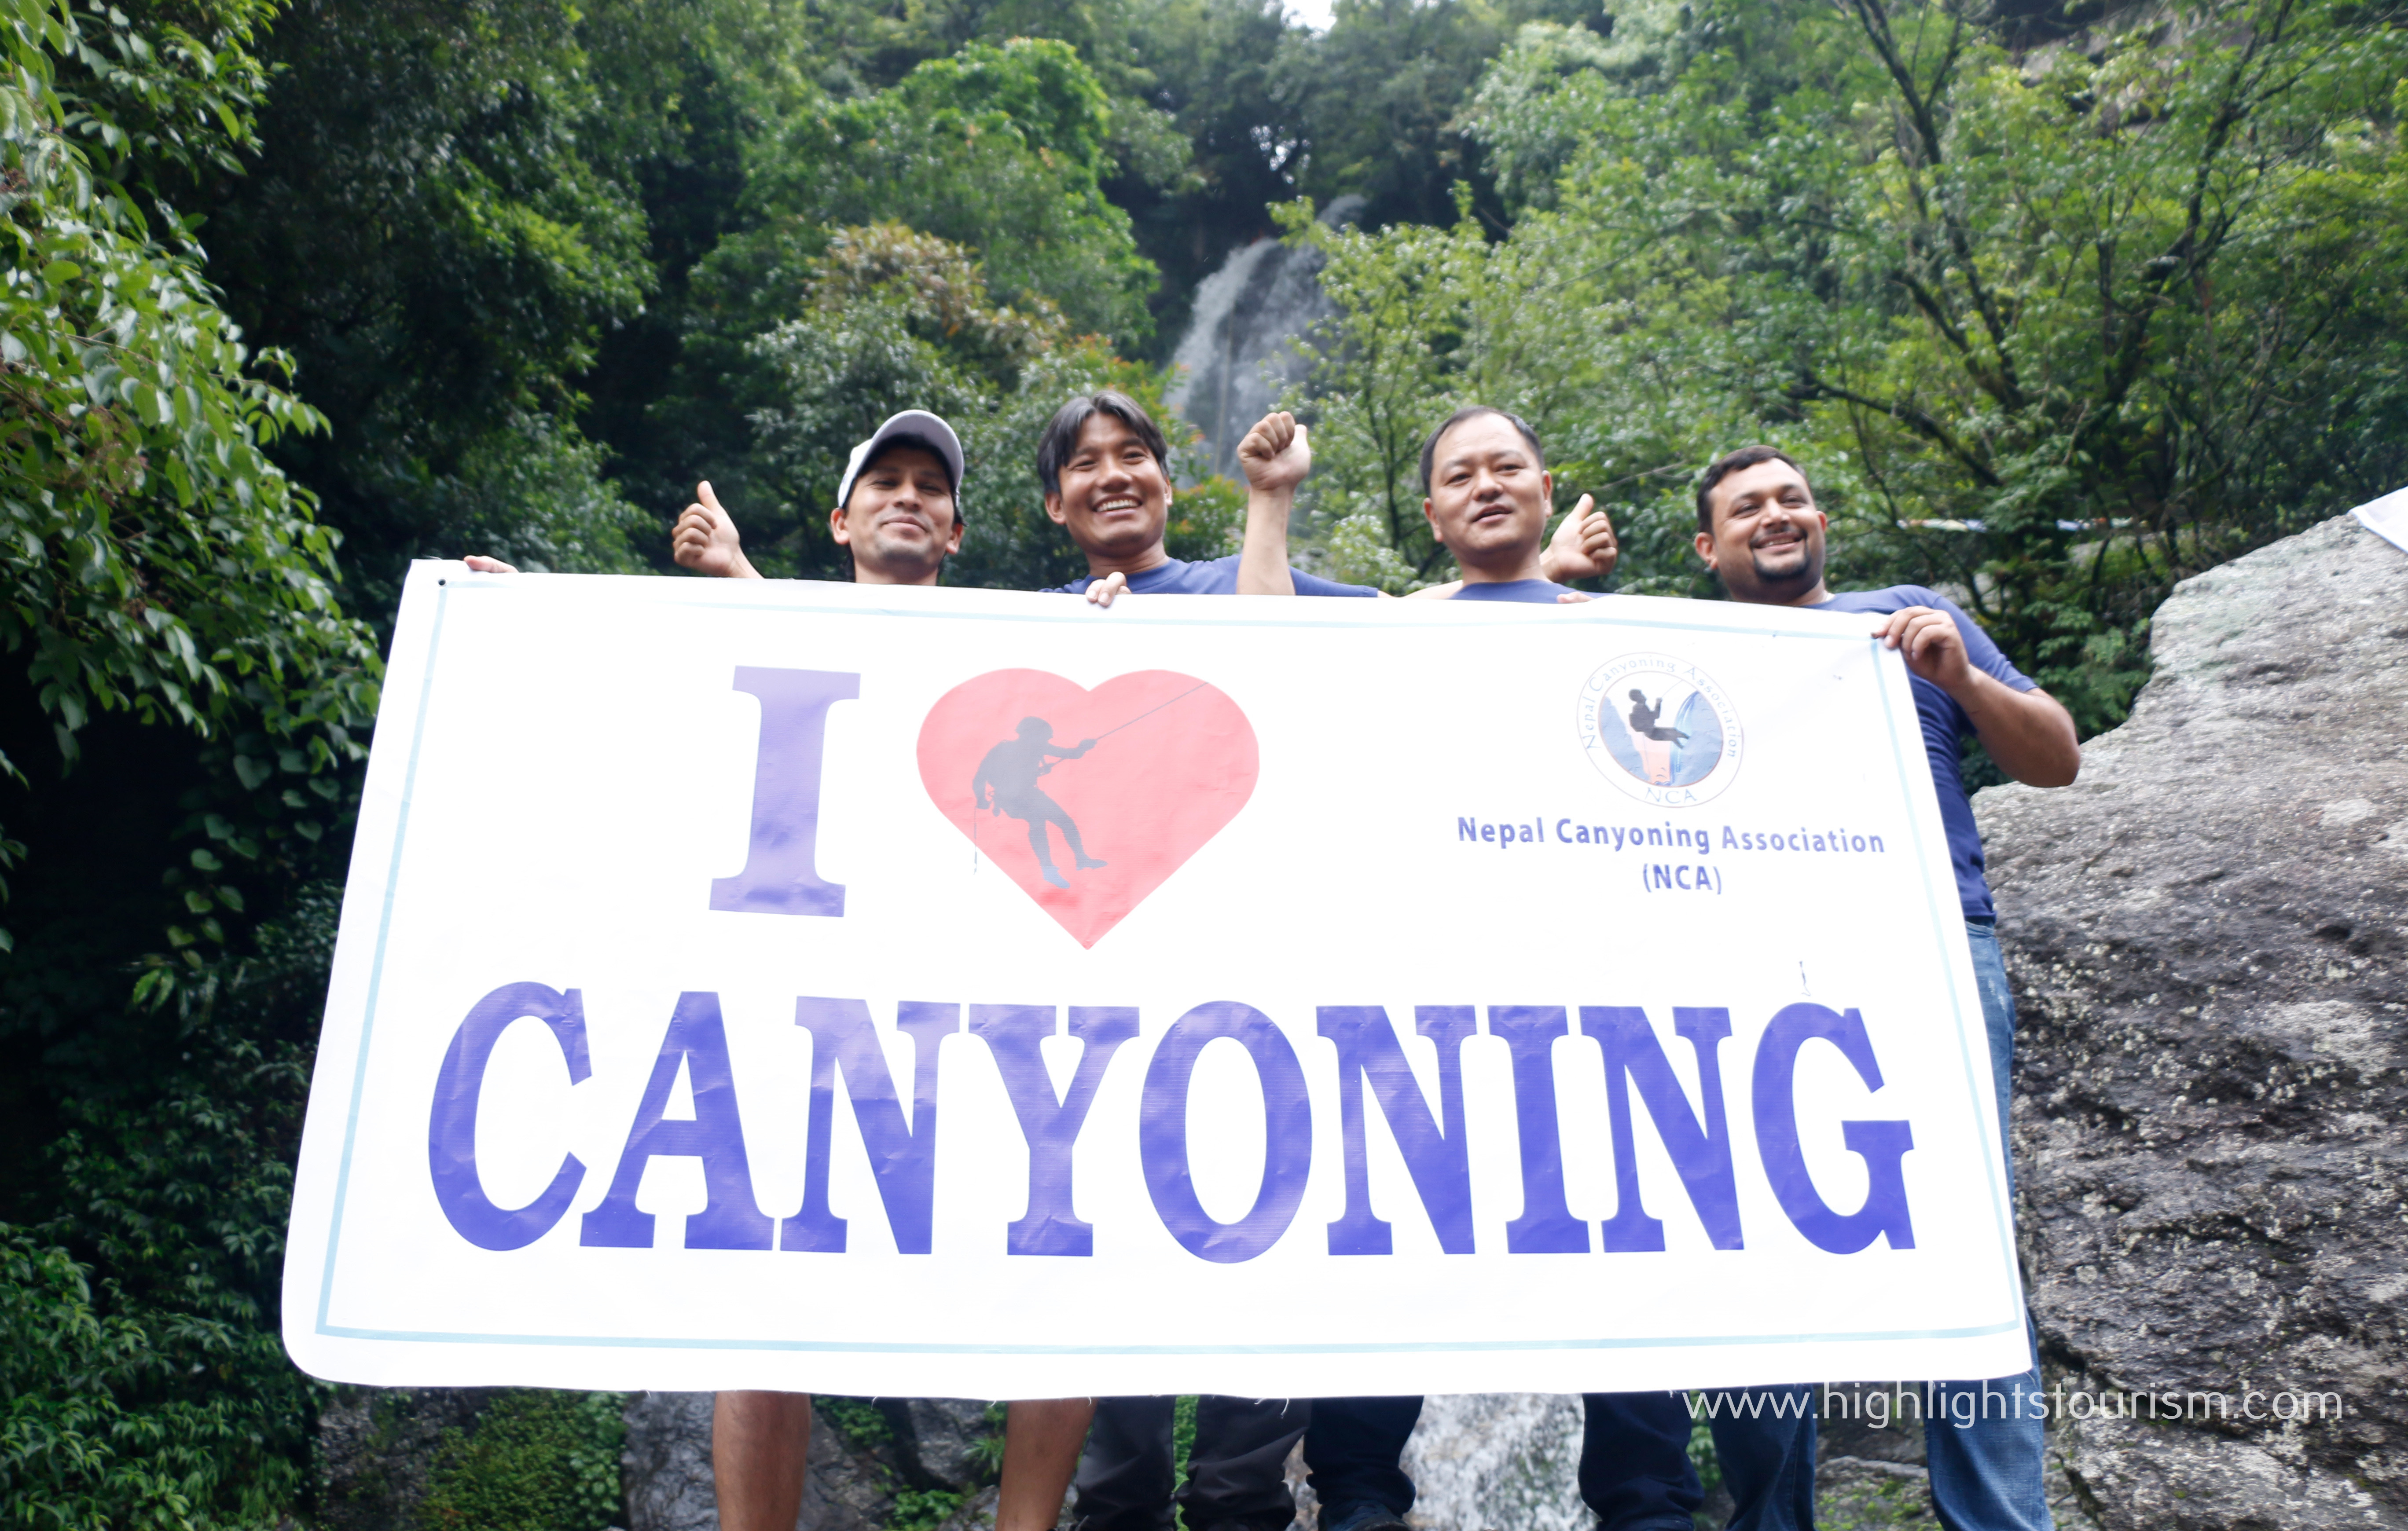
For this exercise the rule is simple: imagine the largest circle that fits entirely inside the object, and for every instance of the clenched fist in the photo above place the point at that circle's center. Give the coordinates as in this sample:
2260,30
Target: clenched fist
1275,455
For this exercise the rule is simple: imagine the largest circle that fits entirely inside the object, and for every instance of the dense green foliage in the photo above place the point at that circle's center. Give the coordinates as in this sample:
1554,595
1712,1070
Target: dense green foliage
536,1461
2059,304
2054,323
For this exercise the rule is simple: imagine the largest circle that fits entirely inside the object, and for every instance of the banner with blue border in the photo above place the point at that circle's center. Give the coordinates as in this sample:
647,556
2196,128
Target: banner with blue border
940,991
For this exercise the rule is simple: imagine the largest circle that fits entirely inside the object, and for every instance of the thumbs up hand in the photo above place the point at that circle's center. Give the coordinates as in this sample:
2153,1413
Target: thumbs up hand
705,540
1583,546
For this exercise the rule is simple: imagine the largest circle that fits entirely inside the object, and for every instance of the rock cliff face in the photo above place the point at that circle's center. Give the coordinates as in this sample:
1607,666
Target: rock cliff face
2208,939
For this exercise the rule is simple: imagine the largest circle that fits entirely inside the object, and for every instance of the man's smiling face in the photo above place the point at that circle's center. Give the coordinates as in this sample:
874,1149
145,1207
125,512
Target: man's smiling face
1768,538
1115,497
900,521
1488,496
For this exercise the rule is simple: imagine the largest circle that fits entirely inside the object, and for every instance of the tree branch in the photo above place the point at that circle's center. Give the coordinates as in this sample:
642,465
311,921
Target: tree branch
1872,16
1913,417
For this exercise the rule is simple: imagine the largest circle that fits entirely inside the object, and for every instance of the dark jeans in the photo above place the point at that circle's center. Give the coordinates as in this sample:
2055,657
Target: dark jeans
1353,1449
1237,1471
1635,1470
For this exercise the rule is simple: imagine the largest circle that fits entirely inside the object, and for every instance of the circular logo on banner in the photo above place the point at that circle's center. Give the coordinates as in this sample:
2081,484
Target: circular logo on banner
1659,728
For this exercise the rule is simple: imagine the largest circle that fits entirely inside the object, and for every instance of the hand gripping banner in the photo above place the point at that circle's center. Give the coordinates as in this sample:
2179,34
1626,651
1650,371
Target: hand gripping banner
942,992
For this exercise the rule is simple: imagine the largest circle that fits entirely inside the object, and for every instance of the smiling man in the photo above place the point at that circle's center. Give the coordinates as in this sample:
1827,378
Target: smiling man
1487,495
896,515
898,512
1105,468
1760,531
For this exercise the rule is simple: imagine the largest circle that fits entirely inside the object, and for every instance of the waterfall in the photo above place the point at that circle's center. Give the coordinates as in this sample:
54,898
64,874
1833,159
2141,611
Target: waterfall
1240,349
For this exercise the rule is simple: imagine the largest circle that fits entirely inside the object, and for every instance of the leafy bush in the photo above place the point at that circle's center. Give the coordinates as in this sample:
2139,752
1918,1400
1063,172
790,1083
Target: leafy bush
536,1460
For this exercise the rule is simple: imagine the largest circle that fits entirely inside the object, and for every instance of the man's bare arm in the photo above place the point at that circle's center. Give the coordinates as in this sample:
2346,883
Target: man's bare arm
2029,732
1275,456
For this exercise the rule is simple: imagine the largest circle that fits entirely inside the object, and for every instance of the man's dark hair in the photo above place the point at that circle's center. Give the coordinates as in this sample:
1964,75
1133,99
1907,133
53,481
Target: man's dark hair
1472,411
1061,438
1730,463
898,442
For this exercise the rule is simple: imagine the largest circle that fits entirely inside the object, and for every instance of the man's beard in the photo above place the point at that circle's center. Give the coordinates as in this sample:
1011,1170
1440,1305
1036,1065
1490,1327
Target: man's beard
1805,576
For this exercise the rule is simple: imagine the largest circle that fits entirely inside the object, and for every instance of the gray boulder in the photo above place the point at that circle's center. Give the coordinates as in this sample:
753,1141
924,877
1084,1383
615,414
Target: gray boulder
666,1465
2208,939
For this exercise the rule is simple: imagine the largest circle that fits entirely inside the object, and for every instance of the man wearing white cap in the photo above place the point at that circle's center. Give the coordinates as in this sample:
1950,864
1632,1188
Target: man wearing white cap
897,510
896,513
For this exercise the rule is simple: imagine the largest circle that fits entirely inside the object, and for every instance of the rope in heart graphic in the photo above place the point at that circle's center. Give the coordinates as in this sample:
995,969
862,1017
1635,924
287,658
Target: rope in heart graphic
1088,799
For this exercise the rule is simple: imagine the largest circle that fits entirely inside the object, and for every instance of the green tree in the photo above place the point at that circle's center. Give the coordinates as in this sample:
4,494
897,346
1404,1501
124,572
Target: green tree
158,564
998,148
171,611
431,230
2053,327
1380,98
893,319
998,152
1215,77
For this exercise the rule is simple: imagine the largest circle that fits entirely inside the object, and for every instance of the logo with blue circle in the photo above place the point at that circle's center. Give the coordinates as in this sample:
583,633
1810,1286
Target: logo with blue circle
1659,729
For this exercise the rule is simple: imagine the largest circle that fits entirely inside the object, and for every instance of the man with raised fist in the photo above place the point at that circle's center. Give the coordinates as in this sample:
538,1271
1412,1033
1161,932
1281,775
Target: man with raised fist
1105,469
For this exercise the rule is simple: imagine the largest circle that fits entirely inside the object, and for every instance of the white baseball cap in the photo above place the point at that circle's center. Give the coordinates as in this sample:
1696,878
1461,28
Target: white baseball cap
918,422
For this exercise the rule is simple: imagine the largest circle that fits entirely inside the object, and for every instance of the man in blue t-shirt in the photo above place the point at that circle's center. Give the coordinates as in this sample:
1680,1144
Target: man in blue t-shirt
1105,469
1487,496
1759,530
1106,472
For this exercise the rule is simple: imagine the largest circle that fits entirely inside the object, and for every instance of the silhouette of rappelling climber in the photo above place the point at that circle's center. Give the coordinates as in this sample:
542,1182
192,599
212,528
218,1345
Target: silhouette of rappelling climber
1642,721
1011,769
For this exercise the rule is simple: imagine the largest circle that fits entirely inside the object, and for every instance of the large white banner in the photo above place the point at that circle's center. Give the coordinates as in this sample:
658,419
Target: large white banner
1409,997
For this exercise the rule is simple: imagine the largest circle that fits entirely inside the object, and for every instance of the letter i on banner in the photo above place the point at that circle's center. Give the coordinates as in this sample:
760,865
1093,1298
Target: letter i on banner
781,872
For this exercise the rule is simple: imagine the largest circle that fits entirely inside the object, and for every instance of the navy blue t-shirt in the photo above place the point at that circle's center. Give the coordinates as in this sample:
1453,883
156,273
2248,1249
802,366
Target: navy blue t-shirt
1945,725
1216,577
1513,590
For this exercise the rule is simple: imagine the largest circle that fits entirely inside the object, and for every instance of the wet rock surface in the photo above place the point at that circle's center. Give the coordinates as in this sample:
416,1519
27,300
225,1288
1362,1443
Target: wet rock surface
1498,1462
666,1466
2208,939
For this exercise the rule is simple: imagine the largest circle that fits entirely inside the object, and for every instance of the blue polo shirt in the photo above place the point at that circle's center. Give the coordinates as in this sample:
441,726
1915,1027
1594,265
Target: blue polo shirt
1217,578
1945,727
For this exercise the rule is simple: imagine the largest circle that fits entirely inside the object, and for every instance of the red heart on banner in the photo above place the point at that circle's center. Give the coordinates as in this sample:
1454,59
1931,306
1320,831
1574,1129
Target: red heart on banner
1087,799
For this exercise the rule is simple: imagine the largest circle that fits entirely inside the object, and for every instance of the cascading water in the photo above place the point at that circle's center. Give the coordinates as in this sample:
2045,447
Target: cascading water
1239,350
